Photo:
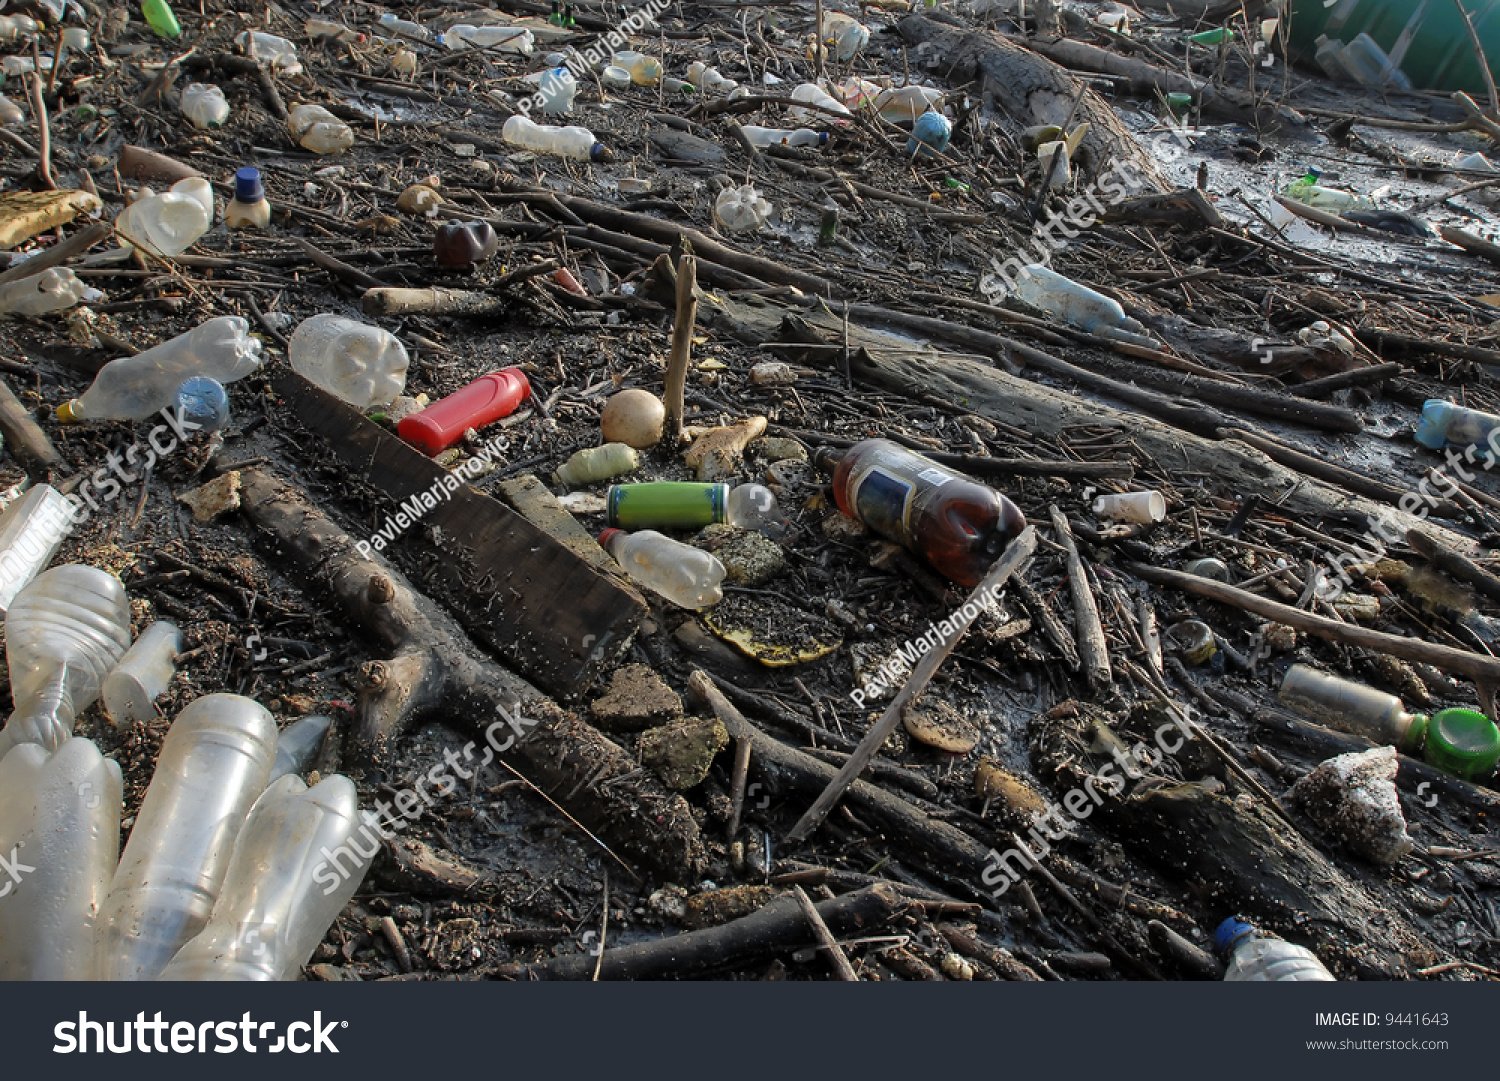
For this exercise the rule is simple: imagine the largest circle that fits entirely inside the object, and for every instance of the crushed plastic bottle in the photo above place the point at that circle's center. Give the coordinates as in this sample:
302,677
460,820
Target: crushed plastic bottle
281,891
570,142
248,209
13,27
598,463
132,388
32,528
405,27
684,575
556,89
275,52
318,130
484,401
168,224
1307,191
1050,292
53,290
362,364
904,104
813,94
644,70
503,39
62,810
1253,958
1368,63
202,401
1445,424
708,79
846,34
764,137
11,114
63,634
754,507
212,766
204,105
741,210
957,524
298,744
131,690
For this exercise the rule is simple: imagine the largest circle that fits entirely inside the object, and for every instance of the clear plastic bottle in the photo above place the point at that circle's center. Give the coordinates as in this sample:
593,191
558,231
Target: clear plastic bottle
848,35
169,224
63,633
753,506
53,290
644,70
31,530
325,30
248,209
557,88
11,114
74,39
1255,959
212,766
132,388
905,103
298,744
204,402
598,463
16,26
71,835
275,52
570,142
1307,191
684,575
405,27
362,364
957,524
204,105
1370,65
764,137
272,912
131,690
1048,291
814,94
503,39
1329,57
1445,424
318,130
709,79
1353,707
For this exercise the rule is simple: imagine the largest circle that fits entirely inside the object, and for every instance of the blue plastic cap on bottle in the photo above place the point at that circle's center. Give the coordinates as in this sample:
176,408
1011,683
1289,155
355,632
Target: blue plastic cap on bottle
1432,429
822,138
247,187
204,402
1230,932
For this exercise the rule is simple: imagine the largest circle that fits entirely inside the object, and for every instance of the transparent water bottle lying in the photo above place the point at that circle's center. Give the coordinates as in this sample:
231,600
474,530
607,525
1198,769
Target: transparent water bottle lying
131,690
570,142
764,137
170,223
905,103
709,79
271,51
62,811
1254,958
132,388
299,858
212,767
53,290
1048,291
362,364
684,575
63,634
503,39
16,26
31,530
814,94
11,114
318,130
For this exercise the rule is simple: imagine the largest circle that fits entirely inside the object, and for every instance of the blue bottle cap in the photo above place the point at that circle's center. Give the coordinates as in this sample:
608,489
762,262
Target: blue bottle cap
1432,429
204,402
247,187
1230,932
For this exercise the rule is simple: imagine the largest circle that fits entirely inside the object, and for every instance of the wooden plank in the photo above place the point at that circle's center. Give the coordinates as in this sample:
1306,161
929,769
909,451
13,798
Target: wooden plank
547,611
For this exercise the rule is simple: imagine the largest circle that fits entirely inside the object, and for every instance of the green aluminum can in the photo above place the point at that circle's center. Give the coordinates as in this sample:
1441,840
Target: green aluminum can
666,505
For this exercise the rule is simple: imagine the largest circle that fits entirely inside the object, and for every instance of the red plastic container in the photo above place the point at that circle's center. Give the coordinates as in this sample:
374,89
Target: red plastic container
482,402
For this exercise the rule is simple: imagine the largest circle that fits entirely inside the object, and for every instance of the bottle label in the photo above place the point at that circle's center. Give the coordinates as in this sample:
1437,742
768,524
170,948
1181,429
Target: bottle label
882,501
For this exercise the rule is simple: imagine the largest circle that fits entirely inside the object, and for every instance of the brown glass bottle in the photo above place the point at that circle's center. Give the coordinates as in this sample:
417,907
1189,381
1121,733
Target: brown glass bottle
956,524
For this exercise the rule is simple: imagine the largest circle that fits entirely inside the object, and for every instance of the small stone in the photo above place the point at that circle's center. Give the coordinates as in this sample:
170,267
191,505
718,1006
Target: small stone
749,559
721,906
218,496
939,725
668,902
1353,796
682,752
403,407
637,698
779,448
956,968
773,373
842,528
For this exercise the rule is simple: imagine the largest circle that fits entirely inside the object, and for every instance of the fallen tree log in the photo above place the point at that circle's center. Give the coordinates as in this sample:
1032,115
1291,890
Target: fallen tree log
434,669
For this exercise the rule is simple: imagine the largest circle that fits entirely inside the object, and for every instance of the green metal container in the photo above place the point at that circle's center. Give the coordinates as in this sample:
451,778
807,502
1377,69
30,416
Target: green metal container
666,505
1463,742
1426,39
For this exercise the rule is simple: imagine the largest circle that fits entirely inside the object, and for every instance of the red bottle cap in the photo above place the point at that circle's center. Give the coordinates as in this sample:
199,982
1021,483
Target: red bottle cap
482,402
607,536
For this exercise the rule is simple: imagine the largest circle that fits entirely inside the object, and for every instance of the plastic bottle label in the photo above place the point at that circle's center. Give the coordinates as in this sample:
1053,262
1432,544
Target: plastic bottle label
883,501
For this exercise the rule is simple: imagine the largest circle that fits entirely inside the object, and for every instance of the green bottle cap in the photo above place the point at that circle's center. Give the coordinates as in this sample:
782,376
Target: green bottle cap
666,505
1463,742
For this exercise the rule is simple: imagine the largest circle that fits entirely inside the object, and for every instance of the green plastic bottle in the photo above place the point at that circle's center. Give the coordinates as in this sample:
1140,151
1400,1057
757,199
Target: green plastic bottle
1212,37
159,17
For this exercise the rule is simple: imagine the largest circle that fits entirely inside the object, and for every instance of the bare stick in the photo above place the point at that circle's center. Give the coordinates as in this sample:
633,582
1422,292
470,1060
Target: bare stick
836,959
43,134
682,345
76,244
1092,647
1484,64
737,784
1016,553
1446,559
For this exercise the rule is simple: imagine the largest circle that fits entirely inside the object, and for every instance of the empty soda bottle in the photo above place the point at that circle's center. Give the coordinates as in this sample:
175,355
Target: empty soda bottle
570,142
282,891
957,524
132,388
298,744
482,402
1255,958
461,244
213,765
204,105
31,530
684,575
53,290
764,137
318,130
170,223
130,691
203,402
248,209
362,364
63,634
271,50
